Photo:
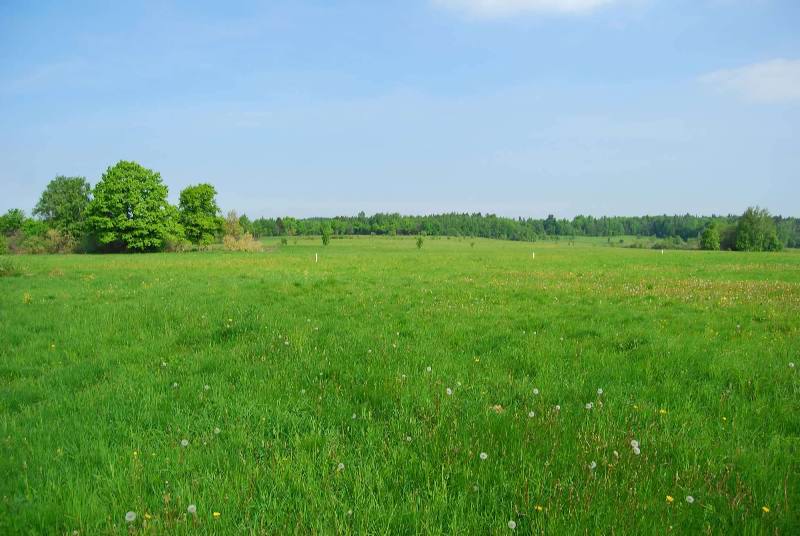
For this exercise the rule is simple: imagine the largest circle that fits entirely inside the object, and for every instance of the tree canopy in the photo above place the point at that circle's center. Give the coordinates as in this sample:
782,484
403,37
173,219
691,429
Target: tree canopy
129,211
63,203
199,213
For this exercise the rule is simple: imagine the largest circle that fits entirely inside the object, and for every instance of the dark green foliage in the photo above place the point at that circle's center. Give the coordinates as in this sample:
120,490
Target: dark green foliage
686,227
199,213
420,241
756,231
63,204
130,211
326,235
710,238
12,221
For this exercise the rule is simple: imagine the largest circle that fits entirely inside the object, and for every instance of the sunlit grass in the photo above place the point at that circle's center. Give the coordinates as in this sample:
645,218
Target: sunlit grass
457,388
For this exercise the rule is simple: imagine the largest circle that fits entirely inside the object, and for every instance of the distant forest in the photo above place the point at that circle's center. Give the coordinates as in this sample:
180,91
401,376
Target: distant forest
669,228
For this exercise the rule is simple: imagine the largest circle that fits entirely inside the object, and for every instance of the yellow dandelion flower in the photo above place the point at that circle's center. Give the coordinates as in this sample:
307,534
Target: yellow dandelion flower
662,411
765,509
538,508
148,516
216,515
670,498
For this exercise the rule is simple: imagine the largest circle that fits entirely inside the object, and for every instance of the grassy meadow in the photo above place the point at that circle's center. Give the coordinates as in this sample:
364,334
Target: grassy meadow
385,389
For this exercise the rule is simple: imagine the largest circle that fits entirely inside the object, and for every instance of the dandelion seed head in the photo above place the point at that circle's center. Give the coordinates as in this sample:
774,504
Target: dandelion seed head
634,444
589,405
184,443
512,524
593,465
217,431
535,391
483,455
130,517
636,451
689,499
600,392
449,392
428,369
192,509
340,467
531,414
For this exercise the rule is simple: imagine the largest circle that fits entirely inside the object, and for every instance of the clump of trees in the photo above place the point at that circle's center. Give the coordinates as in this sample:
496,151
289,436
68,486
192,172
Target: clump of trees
236,238
126,211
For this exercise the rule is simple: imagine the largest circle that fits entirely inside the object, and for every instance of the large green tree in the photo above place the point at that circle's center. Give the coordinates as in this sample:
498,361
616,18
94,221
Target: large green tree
710,238
199,213
756,231
129,211
63,204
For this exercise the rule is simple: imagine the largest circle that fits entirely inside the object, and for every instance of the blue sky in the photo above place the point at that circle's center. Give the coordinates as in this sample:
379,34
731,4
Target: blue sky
517,107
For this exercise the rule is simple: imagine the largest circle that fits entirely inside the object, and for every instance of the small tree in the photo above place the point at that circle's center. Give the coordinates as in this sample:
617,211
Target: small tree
12,221
63,204
420,240
130,209
326,234
756,231
232,227
710,238
199,213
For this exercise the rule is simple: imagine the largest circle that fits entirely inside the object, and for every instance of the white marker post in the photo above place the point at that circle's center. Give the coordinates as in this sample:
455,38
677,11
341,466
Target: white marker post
316,257
533,254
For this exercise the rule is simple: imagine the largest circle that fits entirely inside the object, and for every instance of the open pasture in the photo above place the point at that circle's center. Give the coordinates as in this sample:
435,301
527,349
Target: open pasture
464,387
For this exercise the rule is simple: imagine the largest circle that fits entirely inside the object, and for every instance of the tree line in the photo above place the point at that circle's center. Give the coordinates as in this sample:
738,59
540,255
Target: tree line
128,211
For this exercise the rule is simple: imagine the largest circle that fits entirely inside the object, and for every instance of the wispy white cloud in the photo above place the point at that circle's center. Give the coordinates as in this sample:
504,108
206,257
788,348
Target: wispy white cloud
775,80
504,8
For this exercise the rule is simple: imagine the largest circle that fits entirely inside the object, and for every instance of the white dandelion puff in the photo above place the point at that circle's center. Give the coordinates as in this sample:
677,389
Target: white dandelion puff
634,444
589,405
593,465
531,414
600,392
408,439
512,524
340,467
130,517
558,407
535,391
217,430
175,385
206,387
689,499
449,392
184,443
791,364
483,455
192,509
636,451
428,369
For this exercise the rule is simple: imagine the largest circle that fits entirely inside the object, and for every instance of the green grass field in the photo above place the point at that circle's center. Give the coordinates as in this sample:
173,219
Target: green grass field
356,394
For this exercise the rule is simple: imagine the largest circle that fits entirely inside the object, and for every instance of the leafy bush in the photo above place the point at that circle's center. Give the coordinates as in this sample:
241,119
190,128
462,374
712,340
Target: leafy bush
244,243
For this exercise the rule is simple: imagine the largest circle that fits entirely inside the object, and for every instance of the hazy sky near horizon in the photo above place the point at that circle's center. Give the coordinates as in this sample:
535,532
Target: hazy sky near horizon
517,107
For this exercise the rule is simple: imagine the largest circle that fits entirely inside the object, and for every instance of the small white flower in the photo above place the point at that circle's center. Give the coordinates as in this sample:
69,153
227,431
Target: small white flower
689,499
600,392
558,407
192,509
130,517
175,385
217,430
408,439
791,364
589,405
428,369
483,455
184,443
449,392
535,391
593,465
634,444
636,451
531,414
340,467
512,524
